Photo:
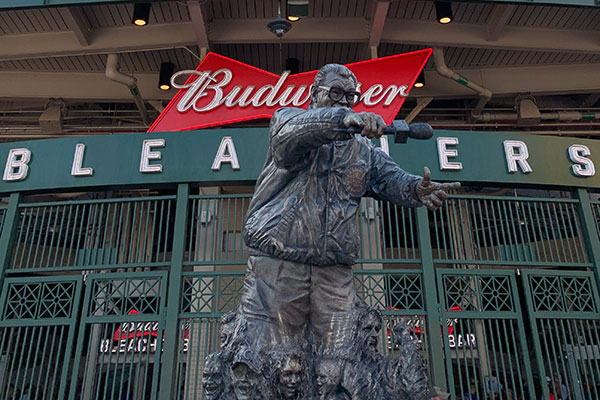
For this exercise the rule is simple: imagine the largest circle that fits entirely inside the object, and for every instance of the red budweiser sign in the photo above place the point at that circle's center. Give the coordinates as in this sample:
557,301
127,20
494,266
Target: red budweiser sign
222,91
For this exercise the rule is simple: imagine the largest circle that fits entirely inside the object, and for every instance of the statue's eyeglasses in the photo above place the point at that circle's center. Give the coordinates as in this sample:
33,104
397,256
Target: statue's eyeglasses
337,93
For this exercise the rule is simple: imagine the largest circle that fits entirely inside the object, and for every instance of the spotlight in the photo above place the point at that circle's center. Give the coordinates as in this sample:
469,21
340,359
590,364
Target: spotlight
296,9
164,77
292,65
141,14
443,11
420,82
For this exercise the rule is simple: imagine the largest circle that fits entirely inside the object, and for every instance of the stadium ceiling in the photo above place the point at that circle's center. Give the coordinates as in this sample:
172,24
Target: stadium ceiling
49,55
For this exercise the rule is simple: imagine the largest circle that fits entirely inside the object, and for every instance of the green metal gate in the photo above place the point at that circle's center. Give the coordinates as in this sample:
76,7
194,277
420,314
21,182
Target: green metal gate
37,329
484,342
120,336
564,315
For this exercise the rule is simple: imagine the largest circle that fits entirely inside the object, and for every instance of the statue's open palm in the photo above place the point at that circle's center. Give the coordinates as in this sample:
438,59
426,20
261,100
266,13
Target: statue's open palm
433,194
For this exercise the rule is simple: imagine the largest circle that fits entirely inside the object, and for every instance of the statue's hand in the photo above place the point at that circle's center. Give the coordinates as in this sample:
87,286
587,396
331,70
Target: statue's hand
433,194
372,124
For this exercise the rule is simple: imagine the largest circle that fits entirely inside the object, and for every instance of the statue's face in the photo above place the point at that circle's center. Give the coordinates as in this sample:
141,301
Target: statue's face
290,378
334,80
212,381
225,334
245,382
328,377
369,332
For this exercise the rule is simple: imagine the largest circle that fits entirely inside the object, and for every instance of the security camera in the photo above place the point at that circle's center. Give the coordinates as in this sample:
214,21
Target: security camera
279,26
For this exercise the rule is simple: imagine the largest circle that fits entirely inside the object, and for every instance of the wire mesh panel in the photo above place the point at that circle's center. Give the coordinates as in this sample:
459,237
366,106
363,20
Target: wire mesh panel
214,233
565,323
387,233
94,234
484,342
208,296
121,337
508,231
37,327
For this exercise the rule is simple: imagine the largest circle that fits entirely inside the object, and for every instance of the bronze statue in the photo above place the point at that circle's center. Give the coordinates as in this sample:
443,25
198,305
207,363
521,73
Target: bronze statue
302,236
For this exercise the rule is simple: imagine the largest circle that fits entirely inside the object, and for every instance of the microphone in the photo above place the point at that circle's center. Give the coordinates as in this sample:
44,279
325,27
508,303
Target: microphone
401,131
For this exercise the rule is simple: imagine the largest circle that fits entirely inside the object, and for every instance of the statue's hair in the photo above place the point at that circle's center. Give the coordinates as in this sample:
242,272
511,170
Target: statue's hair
338,69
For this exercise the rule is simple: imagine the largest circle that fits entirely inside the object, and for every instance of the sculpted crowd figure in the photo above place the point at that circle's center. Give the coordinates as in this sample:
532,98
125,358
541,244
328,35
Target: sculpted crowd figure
302,236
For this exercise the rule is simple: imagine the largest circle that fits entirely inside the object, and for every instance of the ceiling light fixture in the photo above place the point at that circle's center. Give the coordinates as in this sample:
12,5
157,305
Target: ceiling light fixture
141,14
420,82
443,11
296,9
164,77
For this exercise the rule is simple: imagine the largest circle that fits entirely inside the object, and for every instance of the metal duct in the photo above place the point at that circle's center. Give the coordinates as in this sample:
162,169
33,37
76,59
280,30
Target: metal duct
554,115
441,67
112,73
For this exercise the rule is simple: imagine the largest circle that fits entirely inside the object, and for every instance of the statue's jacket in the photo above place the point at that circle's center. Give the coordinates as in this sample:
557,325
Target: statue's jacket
308,194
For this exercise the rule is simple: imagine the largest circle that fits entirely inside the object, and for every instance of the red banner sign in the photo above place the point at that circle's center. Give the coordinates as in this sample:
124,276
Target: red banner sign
222,91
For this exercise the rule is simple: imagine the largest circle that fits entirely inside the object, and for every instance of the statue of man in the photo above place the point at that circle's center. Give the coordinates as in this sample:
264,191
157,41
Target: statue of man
301,227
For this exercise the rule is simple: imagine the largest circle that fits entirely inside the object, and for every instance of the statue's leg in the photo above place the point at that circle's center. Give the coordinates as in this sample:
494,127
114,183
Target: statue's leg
332,297
275,304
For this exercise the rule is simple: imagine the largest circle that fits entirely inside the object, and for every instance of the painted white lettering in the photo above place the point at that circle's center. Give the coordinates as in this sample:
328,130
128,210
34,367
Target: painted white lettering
373,91
583,166
17,164
148,154
195,88
451,341
217,89
444,153
226,154
516,154
392,91
77,169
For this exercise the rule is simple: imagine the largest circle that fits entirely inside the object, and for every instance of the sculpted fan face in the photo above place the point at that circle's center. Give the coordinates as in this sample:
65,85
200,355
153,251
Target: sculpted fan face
291,378
328,377
369,332
245,382
334,80
212,380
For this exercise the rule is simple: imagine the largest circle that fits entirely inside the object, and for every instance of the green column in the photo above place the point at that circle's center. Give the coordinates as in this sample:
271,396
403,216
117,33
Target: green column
433,320
589,229
170,350
9,231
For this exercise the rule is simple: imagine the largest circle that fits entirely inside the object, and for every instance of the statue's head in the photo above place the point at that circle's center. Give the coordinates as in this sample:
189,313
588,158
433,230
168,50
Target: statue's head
246,376
369,325
227,327
212,377
328,375
290,369
334,86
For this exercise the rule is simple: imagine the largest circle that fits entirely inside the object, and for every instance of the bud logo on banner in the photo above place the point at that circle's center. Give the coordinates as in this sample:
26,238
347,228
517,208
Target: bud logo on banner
222,91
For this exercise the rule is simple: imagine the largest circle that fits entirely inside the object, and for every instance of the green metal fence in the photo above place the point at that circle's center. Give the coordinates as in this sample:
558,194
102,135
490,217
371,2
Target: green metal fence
565,324
94,234
122,297
509,231
484,342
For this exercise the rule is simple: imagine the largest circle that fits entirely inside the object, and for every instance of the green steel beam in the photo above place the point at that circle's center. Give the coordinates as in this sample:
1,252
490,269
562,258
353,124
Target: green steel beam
590,232
433,321
9,232
169,356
